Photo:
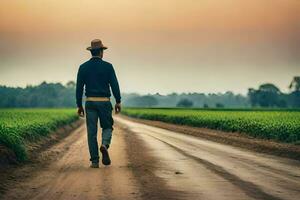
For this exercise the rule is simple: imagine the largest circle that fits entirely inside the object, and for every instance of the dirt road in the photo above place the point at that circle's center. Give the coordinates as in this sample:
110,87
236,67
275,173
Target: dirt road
153,163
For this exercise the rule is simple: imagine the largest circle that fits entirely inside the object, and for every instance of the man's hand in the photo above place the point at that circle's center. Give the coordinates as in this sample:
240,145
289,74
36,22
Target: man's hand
80,111
118,108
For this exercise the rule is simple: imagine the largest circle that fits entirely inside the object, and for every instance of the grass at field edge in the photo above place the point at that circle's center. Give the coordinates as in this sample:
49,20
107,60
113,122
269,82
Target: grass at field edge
19,126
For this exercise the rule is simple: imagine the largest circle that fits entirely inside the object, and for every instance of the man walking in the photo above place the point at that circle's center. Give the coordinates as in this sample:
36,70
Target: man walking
98,76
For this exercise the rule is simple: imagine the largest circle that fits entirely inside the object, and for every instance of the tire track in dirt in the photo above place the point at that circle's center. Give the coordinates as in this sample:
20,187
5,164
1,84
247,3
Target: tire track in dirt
249,188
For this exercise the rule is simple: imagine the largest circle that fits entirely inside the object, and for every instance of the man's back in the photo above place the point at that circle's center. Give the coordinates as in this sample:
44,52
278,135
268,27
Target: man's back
97,75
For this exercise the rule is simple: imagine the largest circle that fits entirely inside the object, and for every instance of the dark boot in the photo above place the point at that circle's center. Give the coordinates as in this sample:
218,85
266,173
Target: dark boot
94,165
105,155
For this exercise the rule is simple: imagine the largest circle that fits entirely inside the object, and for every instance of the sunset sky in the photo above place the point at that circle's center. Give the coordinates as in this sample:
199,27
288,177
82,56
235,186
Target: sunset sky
155,46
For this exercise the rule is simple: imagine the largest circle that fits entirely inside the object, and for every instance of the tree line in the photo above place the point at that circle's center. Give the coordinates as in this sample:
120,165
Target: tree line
43,95
227,99
59,95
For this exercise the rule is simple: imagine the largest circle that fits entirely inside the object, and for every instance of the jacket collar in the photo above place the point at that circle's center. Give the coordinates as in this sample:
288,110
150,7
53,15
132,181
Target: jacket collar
96,57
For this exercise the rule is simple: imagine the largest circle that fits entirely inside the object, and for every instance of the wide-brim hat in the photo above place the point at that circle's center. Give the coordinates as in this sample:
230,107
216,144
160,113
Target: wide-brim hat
96,44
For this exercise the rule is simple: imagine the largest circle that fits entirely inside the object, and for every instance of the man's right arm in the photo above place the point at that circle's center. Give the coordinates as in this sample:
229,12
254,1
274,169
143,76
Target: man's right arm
79,91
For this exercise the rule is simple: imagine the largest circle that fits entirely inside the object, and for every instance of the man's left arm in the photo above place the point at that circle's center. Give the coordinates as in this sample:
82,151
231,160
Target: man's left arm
114,84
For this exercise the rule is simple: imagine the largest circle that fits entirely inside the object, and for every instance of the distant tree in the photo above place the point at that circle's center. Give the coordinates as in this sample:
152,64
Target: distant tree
219,105
294,96
294,99
267,95
295,84
253,97
71,84
185,103
269,87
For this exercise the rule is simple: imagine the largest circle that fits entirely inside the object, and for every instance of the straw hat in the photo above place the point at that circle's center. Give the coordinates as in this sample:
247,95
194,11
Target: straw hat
96,44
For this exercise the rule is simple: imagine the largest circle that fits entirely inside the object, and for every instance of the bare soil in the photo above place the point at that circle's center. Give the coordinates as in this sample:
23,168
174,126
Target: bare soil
235,139
153,163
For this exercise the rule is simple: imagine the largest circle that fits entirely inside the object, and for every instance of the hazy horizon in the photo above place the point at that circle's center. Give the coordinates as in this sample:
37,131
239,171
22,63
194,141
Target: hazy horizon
150,93
160,46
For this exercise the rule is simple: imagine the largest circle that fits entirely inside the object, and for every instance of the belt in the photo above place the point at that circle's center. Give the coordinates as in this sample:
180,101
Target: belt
97,99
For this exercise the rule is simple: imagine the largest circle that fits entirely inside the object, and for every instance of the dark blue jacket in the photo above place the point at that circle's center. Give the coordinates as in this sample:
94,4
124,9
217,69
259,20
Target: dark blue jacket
97,76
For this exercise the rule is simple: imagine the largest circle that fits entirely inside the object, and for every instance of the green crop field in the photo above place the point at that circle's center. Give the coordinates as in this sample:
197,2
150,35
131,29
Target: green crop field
20,125
279,125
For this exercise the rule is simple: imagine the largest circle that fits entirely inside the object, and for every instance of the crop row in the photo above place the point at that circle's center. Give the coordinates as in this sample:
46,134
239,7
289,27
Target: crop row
20,125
